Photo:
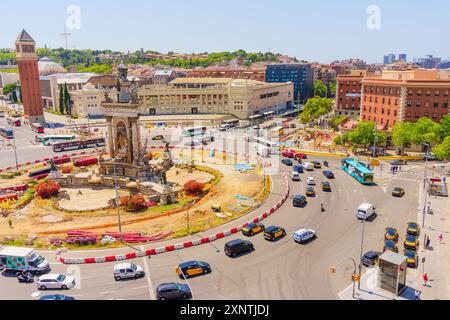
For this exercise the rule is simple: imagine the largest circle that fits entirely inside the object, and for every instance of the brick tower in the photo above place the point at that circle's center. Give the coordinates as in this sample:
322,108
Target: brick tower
29,78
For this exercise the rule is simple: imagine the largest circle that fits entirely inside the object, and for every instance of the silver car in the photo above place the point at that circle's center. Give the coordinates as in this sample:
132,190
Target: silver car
55,281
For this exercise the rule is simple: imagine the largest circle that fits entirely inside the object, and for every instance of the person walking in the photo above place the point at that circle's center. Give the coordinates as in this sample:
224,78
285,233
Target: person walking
425,280
441,237
427,245
417,294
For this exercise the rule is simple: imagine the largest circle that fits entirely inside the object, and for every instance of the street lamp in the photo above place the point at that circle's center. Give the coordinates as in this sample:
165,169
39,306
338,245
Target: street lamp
15,151
425,180
361,254
117,200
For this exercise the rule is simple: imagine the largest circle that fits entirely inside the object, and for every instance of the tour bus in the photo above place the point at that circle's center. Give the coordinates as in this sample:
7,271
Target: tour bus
37,127
357,170
48,140
232,122
195,131
266,147
7,133
78,144
276,132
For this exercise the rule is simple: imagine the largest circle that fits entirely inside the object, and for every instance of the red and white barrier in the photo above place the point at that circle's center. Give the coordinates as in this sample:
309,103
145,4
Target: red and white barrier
179,246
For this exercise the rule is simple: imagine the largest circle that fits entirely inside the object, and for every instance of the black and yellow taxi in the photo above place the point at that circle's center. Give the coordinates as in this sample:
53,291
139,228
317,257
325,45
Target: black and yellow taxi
192,268
158,138
310,191
390,245
273,233
391,234
252,229
413,229
398,192
412,258
326,186
411,242
317,165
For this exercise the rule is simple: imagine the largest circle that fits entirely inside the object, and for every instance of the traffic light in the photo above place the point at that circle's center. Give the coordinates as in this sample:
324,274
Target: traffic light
333,269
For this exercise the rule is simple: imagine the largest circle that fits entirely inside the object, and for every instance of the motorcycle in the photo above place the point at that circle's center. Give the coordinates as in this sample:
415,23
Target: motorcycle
25,279
326,164
322,208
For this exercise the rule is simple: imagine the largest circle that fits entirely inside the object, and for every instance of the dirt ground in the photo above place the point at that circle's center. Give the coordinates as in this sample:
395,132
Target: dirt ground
40,217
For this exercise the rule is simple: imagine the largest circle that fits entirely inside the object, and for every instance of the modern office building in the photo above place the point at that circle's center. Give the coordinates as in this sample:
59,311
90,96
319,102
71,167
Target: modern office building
27,61
388,59
300,74
403,57
348,93
405,96
240,98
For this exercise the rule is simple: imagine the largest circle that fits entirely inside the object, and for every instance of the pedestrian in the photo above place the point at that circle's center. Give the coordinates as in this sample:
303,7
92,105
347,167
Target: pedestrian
427,245
441,237
425,280
417,294
10,223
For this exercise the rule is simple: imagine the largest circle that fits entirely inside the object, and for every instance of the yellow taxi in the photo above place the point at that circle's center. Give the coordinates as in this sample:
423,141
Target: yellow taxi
391,234
412,258
398,192
390,245
273,233
413,229
317,165
411,242
326,186
310,191
252,229
192,268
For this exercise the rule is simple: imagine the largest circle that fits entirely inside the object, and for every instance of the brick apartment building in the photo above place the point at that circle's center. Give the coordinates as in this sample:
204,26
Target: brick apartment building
405,96
348,93
233,73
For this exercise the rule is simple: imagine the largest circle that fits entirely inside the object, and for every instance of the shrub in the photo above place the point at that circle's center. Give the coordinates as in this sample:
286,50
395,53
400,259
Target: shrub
136,203
66,169
47,189
193,187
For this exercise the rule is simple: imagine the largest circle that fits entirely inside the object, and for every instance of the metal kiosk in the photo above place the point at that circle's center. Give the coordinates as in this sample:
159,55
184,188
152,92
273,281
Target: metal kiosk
392,272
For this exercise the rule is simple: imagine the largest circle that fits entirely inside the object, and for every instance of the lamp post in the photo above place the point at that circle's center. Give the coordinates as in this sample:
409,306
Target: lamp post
425,180
361,254
117,200
15,151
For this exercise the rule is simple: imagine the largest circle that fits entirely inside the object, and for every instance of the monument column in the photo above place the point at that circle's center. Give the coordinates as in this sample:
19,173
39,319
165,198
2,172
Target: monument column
131,156
136,139
110,135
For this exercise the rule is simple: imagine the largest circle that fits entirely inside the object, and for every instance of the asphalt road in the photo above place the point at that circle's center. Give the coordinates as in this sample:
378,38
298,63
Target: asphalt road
280,270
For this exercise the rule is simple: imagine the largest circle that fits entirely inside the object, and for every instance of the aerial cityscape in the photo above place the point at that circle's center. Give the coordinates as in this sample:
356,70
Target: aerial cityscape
240,174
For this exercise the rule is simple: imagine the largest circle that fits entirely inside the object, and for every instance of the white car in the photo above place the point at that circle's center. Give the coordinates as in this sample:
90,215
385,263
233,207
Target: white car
310,181
128,271
308,166
303,235
294,176
55,281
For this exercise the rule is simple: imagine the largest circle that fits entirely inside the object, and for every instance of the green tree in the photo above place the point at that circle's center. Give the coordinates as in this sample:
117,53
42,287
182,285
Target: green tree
402,134
9,88
366,135
444,129
425,131
66,98
315,108
332,89
320,89
61,100
442,151
336,121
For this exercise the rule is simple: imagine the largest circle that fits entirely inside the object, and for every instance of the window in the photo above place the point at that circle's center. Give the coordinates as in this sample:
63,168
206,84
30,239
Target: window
445,105
436,105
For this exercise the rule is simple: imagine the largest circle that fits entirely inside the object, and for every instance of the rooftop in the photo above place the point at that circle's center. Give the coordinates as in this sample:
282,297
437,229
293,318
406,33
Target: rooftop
24,37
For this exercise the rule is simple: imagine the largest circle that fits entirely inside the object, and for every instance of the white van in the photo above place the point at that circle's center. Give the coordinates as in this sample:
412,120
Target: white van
365,211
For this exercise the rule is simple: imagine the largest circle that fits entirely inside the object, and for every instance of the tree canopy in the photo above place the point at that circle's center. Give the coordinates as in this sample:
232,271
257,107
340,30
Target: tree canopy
315,108
320,89
366,135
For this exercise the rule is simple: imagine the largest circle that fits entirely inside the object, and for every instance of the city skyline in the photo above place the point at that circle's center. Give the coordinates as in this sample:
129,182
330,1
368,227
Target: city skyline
262,27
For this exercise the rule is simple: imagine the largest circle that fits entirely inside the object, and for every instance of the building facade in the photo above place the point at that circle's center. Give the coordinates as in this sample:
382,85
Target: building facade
300,74
241,98
405,96
234,73
348,93
27,61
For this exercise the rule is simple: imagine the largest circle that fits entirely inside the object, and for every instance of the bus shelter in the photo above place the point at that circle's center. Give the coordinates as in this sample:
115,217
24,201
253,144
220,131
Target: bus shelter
392,272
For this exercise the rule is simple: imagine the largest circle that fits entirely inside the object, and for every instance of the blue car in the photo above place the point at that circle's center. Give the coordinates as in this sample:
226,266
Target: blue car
287,162
298,169
56,297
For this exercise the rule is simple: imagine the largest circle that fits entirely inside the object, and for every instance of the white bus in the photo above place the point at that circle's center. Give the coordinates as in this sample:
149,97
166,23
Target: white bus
266,147
195,131
49,140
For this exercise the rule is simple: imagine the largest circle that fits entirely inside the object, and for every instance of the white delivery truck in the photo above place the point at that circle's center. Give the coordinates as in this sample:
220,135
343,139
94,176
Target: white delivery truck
22,259
365,211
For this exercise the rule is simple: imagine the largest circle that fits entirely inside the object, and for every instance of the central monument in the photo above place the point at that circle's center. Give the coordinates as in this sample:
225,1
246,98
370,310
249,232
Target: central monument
127,155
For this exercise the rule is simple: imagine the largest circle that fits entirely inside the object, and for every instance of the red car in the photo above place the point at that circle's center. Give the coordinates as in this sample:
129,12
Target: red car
288,154
301,156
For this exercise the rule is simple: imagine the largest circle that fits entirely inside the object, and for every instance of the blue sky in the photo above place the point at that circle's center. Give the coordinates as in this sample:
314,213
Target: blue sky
313,30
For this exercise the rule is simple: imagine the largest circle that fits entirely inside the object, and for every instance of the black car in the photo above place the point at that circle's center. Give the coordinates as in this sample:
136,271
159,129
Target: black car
173,291
287,162
299,201
328,174
60,297
237,247
370,258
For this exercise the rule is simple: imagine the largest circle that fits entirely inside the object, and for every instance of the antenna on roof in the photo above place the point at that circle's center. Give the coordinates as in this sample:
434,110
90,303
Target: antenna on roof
66,36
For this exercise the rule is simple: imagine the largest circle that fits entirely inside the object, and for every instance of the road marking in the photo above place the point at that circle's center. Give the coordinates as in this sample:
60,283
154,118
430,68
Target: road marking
147,276
107,292
142,287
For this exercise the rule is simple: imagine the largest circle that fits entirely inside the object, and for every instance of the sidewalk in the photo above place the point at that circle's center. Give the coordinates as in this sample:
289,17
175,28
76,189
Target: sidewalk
437,257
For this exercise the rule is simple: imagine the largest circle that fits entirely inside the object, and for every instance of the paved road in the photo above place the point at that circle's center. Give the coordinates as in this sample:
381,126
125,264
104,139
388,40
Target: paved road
281,270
